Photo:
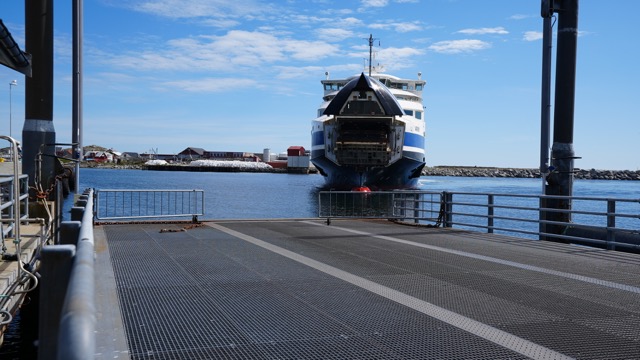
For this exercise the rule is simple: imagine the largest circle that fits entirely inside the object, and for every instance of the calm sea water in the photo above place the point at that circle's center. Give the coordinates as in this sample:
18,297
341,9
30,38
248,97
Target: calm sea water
266,195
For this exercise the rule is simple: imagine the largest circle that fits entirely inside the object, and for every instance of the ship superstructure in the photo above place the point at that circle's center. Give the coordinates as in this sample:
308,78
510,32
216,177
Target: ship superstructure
369,132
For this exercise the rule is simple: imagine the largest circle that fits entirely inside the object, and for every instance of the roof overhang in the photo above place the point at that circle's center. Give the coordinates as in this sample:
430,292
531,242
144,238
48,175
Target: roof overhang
365,83
10,53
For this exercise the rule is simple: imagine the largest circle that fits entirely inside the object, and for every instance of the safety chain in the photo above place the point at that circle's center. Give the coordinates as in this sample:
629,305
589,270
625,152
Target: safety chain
44,194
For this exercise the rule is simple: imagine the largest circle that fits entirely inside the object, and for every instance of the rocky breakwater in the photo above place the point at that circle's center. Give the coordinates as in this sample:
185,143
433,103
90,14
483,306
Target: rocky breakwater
473,171
607,174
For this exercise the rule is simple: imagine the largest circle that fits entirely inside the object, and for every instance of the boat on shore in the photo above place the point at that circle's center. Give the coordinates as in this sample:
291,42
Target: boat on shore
370,132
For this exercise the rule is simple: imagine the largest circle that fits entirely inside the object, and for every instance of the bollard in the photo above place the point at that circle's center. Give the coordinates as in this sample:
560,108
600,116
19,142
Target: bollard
77,213
69,232
56,268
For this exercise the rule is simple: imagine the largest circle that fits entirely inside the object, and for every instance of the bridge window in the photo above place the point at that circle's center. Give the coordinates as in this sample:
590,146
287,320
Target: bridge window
333,86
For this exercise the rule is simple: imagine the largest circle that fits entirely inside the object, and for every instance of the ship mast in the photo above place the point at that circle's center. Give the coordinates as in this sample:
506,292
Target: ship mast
371,39
370,51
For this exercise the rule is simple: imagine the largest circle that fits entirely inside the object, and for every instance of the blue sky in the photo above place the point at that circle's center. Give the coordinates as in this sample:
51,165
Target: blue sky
245,75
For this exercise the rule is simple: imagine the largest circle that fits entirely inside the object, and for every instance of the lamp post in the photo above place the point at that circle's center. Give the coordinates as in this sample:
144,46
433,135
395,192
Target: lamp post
11,84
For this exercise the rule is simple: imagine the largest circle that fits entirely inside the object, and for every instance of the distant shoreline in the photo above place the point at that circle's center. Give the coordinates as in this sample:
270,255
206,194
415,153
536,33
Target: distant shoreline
458,171
473,171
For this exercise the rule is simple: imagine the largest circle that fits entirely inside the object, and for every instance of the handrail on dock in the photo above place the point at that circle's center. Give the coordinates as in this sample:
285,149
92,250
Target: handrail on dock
14,199
604,222
68,318
129,204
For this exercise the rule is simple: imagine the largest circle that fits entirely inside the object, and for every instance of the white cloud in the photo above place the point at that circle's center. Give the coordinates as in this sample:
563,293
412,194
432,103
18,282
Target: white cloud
374,3
333,22
407,27
332,12
333,34
482,31
211,84
221,23
532,35
459,46
293,72
401,27
234,51
198,8
521,16
307,50
350,22
391,58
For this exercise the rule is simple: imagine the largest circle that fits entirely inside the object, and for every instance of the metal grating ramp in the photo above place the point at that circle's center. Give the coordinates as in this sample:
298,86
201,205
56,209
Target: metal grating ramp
301,290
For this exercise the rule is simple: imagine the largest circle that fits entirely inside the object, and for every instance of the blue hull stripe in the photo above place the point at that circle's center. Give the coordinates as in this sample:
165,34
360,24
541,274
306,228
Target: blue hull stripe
413,140
317,138
410,139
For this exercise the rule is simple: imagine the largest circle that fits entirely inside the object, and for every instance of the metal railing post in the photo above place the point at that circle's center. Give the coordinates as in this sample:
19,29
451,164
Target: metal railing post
611,224
416,206
490,214
447,198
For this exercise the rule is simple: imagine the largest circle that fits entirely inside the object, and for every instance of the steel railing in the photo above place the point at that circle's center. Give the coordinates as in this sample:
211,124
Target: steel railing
76,338
67,319
148,204
13,204
419,206
14,199
602,221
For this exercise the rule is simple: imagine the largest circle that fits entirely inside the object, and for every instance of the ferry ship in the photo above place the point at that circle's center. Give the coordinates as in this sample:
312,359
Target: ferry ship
369,133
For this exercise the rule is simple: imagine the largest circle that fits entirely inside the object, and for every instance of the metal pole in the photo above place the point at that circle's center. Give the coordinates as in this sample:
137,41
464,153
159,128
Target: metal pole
11,84
370,52
38,129
545,121
560,181
545,108
77,89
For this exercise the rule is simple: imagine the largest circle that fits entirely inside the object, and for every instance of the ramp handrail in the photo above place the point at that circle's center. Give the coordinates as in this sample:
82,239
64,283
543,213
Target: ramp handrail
601,221
67,318
121,204
76,339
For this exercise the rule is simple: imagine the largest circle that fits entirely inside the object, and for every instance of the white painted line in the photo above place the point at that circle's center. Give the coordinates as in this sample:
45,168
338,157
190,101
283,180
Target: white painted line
566,275
487,332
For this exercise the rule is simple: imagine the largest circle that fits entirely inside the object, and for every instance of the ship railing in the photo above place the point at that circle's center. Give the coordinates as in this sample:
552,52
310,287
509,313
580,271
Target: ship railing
130,204
605,222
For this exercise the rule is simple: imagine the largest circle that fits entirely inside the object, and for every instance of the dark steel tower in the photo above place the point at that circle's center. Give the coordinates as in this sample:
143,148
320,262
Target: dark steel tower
560,179
38,129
